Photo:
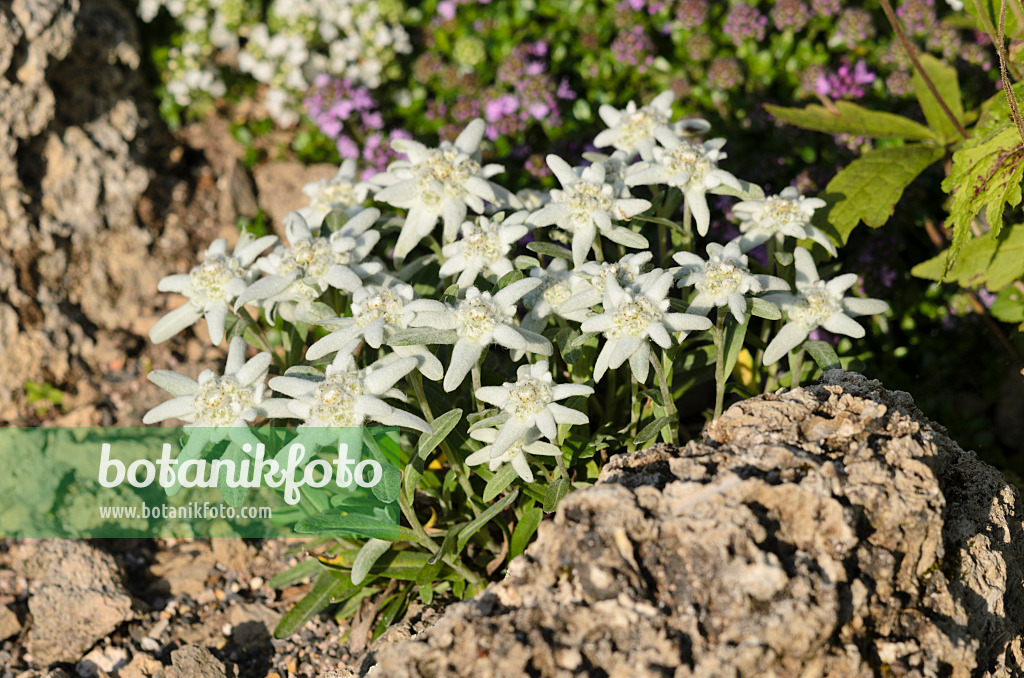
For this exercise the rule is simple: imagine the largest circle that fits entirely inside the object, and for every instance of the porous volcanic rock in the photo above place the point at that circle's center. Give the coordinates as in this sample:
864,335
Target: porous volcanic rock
827,531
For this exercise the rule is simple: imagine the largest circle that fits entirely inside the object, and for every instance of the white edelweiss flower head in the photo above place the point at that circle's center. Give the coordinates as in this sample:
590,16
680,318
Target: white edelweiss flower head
342,192
514,454
778,216
689,166
346,396
634,317
817,303
211,287
724,279
632,130
232,400
627,271
558,284
440,183
586,205
483,249
531,401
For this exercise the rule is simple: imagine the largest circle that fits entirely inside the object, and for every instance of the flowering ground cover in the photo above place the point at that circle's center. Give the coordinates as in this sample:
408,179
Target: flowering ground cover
562,230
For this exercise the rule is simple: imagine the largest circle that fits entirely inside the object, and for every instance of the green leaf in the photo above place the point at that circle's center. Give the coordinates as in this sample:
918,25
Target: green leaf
986,174
823,353
945,79
764,309
628,238
297,572
868,188
734,336
550,249
498,482
415,336
506,280
746,191
986,261
326,589
651,430
1009,305
556,491
368,555
474,525
988,18
442,426
524,531
849,118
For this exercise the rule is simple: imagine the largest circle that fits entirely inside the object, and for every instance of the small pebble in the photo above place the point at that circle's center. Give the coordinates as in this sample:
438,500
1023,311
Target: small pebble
150,645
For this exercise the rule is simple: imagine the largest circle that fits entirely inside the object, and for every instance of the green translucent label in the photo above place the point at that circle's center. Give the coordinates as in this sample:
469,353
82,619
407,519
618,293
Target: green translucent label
199,482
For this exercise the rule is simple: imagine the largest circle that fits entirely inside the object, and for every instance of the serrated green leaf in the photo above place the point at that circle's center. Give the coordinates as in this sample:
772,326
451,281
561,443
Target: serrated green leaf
868,188
823,353
945,79
986,261
986,175
651,430
849,118
525,529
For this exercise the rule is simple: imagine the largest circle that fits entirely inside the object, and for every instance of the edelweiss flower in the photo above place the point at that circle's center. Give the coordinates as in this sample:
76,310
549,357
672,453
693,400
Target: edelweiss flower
341,192
439,183
723,279
633,318
480,320
377,313
299,274
817,303
234,399
626,271
585,205
632,130
691,167
557,285
211,287
346,396
530,402
777,216
484,247
515,454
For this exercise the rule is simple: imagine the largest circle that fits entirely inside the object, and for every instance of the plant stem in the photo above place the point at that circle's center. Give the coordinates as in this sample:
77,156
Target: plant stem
421,396
796,366
424,540
911,51
1011,98
720,361
666,396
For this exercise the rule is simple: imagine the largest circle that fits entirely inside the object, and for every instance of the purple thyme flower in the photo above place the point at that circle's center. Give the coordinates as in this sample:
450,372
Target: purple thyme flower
743,23
790,15
691,13
853,27
846,82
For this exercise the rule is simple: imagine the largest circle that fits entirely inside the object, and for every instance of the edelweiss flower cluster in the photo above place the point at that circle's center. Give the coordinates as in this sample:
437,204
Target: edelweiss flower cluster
494,280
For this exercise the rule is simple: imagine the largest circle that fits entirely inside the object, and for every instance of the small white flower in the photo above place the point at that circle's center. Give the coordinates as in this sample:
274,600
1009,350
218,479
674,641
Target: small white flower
342,192
530,402
483,248
817,303
557,285
632,130
724,279
439,183
378,311
234,399
690,167
346,396
585,205
480,320
299,274
211,287
626,271
633,318
777,216
515,454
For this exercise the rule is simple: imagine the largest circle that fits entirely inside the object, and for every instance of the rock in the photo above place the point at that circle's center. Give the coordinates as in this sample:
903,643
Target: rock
252,625
80,598
9,624
233,553
193,661
827,531
185,570
141,666
279,187
106,660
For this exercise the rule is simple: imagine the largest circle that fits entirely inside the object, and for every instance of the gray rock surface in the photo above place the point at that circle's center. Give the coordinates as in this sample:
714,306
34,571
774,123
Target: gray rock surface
79,600
193,661
828,531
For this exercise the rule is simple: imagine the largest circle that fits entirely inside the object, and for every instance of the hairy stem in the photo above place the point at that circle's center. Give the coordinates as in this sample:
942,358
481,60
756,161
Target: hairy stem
1011,98
720,361
664,377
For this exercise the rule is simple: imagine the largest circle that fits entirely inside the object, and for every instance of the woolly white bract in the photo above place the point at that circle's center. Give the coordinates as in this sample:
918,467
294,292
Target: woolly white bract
724,279
787,214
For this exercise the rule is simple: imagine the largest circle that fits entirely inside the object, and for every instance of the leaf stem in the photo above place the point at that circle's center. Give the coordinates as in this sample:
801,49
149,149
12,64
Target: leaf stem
666,396
1011,98
911,51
